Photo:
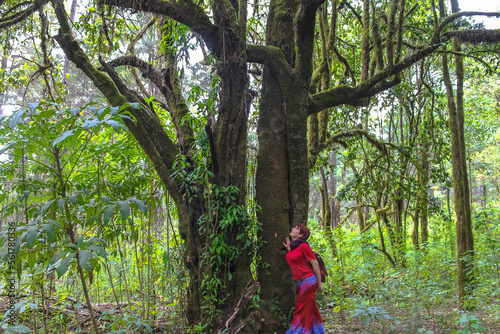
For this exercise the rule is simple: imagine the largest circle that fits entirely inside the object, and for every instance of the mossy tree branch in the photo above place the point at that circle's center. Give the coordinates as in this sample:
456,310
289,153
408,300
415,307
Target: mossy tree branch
365,43
146,129
346,94
449,19
274,58
15,18
391,32
474,36
185,12
169,86
336,138
377,83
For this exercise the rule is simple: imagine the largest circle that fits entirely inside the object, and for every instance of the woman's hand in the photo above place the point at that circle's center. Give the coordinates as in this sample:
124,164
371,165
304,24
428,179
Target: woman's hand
315,268
287,244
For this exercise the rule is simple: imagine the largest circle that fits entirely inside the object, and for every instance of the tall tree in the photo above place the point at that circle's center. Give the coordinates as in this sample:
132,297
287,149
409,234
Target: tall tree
461,196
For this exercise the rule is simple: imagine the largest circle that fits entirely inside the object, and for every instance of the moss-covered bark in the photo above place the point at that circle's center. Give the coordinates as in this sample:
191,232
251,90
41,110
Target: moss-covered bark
465,238
423,196
272,179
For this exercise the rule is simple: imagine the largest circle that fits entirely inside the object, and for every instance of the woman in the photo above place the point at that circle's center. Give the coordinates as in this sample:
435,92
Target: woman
306,317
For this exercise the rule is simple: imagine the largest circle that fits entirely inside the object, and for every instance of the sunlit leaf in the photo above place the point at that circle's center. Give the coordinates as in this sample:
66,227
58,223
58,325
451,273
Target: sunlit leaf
57,257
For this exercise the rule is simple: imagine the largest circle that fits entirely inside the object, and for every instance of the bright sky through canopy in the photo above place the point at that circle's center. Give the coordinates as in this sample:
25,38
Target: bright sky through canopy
483,6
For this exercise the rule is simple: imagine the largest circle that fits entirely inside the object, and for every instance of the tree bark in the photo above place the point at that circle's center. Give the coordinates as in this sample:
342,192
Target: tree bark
423,196
272,187
465,238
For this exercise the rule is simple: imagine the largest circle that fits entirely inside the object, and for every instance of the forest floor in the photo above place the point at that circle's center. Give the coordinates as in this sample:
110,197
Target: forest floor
383,319
441,320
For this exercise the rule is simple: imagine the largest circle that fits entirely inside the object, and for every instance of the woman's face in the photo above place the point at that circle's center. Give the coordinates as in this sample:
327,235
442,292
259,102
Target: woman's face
295,233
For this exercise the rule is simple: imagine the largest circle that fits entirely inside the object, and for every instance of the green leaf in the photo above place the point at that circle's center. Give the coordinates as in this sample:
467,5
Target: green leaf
31,236
31,259
57,257
6,147
62,137
124,209
85,257
33,106
63,267
148,327
74,112
140,205
49,231
47,206
115,125
90,123
16,118
98,250
109,213
79,242
18,329
366,320
73,199
60,203
54,222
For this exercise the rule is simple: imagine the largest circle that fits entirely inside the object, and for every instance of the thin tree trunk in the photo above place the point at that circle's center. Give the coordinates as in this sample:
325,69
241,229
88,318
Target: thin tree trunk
423,196
334,203
465,238
66,60
326,212
415,232
71,231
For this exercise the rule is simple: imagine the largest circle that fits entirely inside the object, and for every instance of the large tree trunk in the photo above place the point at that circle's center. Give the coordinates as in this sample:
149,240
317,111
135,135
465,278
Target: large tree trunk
282,181
228,146
272,187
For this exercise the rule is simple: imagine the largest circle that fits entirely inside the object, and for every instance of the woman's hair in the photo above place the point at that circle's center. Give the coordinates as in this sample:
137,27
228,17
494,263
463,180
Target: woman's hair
304,231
